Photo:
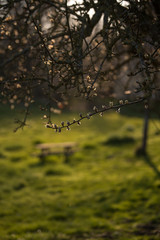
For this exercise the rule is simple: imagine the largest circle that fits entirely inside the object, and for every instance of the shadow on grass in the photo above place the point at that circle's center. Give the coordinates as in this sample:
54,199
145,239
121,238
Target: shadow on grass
149,228
2,156
116,140
40,163
147,159
14,148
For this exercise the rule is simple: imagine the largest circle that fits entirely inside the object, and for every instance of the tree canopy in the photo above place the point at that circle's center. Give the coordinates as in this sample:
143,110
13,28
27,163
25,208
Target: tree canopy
77,48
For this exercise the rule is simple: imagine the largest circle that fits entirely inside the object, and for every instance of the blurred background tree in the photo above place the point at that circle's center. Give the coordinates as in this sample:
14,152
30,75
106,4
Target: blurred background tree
55,50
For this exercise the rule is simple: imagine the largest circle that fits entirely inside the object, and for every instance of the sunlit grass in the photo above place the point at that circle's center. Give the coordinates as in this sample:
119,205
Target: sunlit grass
104,192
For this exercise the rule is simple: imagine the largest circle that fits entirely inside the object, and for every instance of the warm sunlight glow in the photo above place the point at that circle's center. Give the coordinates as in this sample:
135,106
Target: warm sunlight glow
123,3
71,2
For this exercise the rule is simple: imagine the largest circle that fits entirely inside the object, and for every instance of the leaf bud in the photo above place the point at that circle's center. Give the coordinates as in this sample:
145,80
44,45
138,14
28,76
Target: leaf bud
88,115
120,101
111,104
146,106
44,116
95,109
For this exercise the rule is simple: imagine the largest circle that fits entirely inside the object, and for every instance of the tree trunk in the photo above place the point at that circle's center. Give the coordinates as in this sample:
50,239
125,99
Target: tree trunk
145,132
142,150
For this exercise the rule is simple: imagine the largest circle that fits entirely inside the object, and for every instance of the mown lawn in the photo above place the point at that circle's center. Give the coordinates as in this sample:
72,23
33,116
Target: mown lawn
104,192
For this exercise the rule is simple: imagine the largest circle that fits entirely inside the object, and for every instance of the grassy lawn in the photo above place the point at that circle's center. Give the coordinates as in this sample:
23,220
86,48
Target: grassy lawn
104,192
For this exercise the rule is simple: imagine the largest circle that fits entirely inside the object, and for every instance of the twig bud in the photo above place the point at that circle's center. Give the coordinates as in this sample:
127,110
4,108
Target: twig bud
111,104
120,101
95,109
88,115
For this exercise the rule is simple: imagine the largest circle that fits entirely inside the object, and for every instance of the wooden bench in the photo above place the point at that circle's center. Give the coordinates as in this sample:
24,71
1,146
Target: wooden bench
66,149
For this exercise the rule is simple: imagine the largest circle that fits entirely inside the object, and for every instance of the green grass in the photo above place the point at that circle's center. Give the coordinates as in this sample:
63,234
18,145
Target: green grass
104,192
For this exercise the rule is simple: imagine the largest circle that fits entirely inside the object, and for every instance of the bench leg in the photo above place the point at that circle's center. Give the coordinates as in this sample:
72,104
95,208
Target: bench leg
66,157
42,159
